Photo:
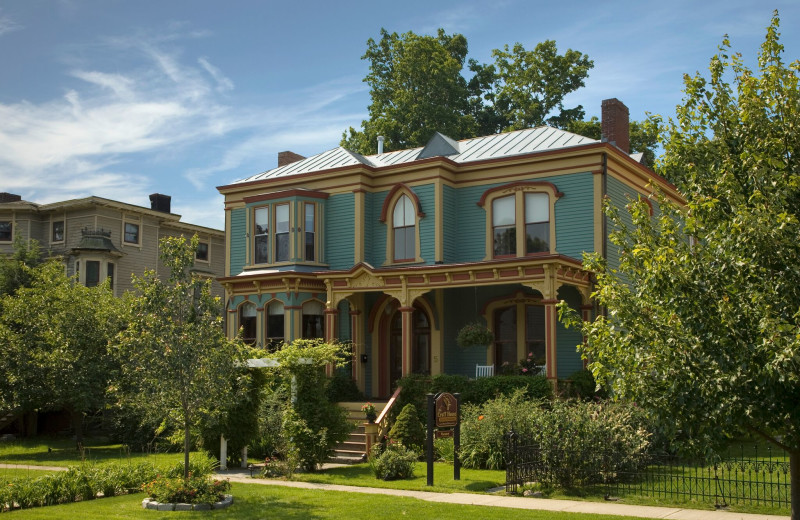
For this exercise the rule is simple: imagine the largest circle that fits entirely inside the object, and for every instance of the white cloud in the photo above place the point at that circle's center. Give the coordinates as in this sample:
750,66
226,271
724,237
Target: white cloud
223,82
7,24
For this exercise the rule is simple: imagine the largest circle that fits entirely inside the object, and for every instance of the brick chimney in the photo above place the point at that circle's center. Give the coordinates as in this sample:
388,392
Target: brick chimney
9,197
614,124
288,157
159,202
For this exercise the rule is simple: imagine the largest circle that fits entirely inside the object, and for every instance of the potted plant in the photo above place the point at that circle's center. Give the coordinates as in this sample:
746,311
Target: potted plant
370,411
474,335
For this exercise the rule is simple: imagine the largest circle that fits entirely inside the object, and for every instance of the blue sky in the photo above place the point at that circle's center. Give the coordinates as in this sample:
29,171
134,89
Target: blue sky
121,99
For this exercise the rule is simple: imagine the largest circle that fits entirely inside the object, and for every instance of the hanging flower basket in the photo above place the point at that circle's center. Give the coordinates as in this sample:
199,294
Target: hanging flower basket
474,335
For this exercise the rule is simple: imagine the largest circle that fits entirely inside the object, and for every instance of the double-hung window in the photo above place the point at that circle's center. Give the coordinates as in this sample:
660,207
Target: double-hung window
6,231
282,233
131,233
261,243
520,221
537,223
58,231
309,232
504,228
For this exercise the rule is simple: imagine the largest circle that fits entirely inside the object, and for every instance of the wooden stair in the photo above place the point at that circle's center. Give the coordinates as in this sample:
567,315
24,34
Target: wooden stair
354,449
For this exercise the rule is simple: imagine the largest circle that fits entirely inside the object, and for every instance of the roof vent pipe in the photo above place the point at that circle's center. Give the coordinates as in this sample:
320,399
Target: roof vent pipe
380,144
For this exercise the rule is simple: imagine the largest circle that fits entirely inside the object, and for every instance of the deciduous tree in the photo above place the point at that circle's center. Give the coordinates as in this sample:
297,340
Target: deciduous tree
176,362
705,333
55,337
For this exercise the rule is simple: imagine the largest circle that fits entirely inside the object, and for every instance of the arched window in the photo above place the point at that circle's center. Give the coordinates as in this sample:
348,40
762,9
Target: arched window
403,230
276,332
247,322
313,322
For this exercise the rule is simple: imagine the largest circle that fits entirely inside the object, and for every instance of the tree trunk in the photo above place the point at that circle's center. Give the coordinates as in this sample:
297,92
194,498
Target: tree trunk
77,424
794,476
186,425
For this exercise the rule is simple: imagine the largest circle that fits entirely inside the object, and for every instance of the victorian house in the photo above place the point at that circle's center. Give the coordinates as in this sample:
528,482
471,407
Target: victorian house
396,252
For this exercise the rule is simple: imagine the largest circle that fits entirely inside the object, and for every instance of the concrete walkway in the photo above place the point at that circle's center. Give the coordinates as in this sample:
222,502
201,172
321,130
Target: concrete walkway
40,468
542,504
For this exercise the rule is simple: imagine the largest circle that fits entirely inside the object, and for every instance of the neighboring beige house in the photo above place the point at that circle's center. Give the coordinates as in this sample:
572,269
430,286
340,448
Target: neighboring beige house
103,239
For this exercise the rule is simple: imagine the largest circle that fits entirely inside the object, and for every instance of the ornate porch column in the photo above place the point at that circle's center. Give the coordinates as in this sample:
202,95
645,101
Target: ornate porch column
331,324
358,348
407,314
550,320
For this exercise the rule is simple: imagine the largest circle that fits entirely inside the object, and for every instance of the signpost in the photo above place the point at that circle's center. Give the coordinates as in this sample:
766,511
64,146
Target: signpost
444,422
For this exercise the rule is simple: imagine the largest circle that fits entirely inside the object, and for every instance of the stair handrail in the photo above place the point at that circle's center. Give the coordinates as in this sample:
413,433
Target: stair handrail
383,419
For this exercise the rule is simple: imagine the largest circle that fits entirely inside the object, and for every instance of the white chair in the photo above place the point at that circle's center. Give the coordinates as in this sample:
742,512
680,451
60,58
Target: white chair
484,371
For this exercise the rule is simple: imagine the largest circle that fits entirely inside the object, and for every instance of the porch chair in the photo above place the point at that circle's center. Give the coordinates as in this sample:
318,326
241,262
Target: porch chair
484,371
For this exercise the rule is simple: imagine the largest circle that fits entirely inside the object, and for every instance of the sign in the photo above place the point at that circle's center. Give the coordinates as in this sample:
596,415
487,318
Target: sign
444,434
446,411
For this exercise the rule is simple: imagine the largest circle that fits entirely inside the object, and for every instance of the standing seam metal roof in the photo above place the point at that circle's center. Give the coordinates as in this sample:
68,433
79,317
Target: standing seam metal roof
508,144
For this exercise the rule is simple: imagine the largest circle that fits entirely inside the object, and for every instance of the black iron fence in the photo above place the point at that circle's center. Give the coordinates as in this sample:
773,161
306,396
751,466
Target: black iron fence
751,476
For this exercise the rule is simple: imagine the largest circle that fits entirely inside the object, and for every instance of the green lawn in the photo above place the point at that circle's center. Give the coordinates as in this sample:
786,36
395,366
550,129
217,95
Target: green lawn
472,481
255,501
44,451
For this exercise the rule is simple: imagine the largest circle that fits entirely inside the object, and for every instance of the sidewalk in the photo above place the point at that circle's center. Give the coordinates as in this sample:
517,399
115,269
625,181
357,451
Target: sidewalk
543,504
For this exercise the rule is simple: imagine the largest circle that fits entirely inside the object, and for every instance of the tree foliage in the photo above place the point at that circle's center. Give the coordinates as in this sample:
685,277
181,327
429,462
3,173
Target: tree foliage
312,425
417,87
643,135
12,272
706,333
176,362
55,335
523,88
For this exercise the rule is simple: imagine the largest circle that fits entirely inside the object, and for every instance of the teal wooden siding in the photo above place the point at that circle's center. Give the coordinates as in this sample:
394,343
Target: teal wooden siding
470,223
574,214
238,241
449,221
619,194
376,254
340,231
427,225
568,359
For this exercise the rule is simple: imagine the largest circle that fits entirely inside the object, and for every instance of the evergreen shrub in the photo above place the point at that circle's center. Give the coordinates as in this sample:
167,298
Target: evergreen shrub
408,430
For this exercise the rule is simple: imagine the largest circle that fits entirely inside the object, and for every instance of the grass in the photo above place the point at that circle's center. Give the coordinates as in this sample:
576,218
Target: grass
45,451
472,481
255,501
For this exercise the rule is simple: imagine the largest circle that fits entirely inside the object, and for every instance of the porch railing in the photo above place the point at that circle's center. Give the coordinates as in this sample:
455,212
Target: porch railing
383,419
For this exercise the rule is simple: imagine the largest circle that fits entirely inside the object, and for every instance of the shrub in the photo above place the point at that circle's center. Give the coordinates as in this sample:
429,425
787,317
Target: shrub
415,387
486,388
341,388
77,483
270,441
408,430
483,427
394,462
450,383
200,465
195,489
581,385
